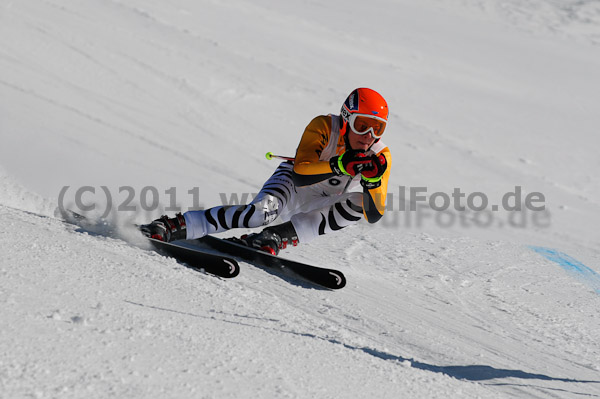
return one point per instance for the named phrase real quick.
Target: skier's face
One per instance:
(360, 142)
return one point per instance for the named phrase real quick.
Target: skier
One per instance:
(317, 193)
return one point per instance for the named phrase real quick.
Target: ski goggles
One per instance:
(362, 124)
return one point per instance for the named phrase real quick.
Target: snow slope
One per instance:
(484, 96)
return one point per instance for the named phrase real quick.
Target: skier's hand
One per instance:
(376, 167)
(350, 163)
(372, 173)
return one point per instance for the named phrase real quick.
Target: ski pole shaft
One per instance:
(270, 155)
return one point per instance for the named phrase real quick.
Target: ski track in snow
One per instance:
(484, 95)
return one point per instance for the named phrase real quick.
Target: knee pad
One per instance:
(268, 207)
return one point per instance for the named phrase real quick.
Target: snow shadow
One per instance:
(475, 373)
(470, 372)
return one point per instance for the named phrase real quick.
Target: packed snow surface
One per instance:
(142, 107)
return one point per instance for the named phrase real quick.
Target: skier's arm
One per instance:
(374, 199)
(308, 168)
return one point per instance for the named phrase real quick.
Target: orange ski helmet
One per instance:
(364, 102)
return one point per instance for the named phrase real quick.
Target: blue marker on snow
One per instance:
(574, 267)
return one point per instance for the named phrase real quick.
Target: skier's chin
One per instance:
(362, 146)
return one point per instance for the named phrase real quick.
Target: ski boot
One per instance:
(271, 239)
(165, 229)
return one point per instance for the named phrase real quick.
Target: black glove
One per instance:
(350, 163)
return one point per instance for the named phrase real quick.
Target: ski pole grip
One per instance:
(269, 155)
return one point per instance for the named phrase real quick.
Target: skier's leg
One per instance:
(336, 212)
(264, 208)
(345, 212)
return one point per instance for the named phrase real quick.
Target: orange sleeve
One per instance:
(374, 199)
(313, 142)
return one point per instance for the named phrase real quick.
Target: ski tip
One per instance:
(234, 268)
(339, 280)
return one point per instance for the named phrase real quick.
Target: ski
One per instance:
(214, 264)
(197, 259)
(329, 278)
(191, 253)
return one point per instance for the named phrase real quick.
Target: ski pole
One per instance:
(270, 155)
